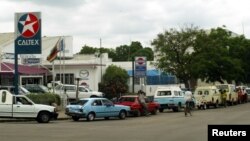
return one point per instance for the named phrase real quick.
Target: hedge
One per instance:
(47, 98)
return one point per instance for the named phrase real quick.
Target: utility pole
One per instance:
(101, 57)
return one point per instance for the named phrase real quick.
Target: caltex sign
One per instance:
(28, 33)
(140, 66)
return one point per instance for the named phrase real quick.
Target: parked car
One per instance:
(248, 94)
(70, 91)
(20, 106)
(207, 96)
(36, 88)
(91, 108)
(170, 97)
(136, 109)
(11, 89)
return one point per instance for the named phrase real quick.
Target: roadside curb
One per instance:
(25, 120)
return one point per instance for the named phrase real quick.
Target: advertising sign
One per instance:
(28, 33)
(140, 66)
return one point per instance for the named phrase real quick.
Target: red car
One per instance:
(136, 108)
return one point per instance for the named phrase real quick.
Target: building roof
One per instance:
(22, 69)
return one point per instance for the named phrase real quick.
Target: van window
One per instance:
(177, 93)
(163, 93)
(199, 92)
(206, 92)
(4, 96)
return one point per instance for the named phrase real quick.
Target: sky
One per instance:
(111, 23)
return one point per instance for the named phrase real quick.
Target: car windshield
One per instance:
(58, 87)
(88, 89)
(222, 87)
(44, 88)
(23, 90)
(127, 99)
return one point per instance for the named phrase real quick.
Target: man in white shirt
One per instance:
(188, 99)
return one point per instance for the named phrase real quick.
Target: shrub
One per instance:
(46, 99)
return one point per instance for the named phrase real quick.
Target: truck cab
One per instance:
(20, 106)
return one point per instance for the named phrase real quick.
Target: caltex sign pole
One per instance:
(27, 37)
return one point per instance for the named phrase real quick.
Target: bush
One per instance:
(46, 99)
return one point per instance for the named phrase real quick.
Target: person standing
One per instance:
(188, 101)
(141, 96)
(224, 98)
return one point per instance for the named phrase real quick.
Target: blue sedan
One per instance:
(91, 108)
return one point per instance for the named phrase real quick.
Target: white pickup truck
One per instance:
(20, 106)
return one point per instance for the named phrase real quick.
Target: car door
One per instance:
(178, 98)
(23, 108)
(109, 108)
(98, 108)
(83, 93)
(70, 91)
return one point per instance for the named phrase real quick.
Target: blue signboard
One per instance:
(28, 33)
(140, 66)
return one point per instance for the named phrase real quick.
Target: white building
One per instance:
(88, 68)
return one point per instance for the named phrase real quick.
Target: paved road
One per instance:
(167, 126)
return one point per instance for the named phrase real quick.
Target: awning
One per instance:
(149, 72)
(22, 69)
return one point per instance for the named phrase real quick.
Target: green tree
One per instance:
(122, 53)
(128, 52)
(239, 49)
(213, 61)
(88, 50)
(114, 82)
(173, 51)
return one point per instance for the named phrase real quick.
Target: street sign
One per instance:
(140, 66)
(28, 33)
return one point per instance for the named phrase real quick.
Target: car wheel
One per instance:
(161, 110)
(137, 113)
(122, 114)
(90, 117)
(154, 112)
(43, 117)
(75, 118)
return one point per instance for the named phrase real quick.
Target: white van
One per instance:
(70, 91)
(232, 96)
(169, 97)
(207, 96)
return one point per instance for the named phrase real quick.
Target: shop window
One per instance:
(4, 94)
(67, 77)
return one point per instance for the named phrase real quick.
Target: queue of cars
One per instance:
(93, 104)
